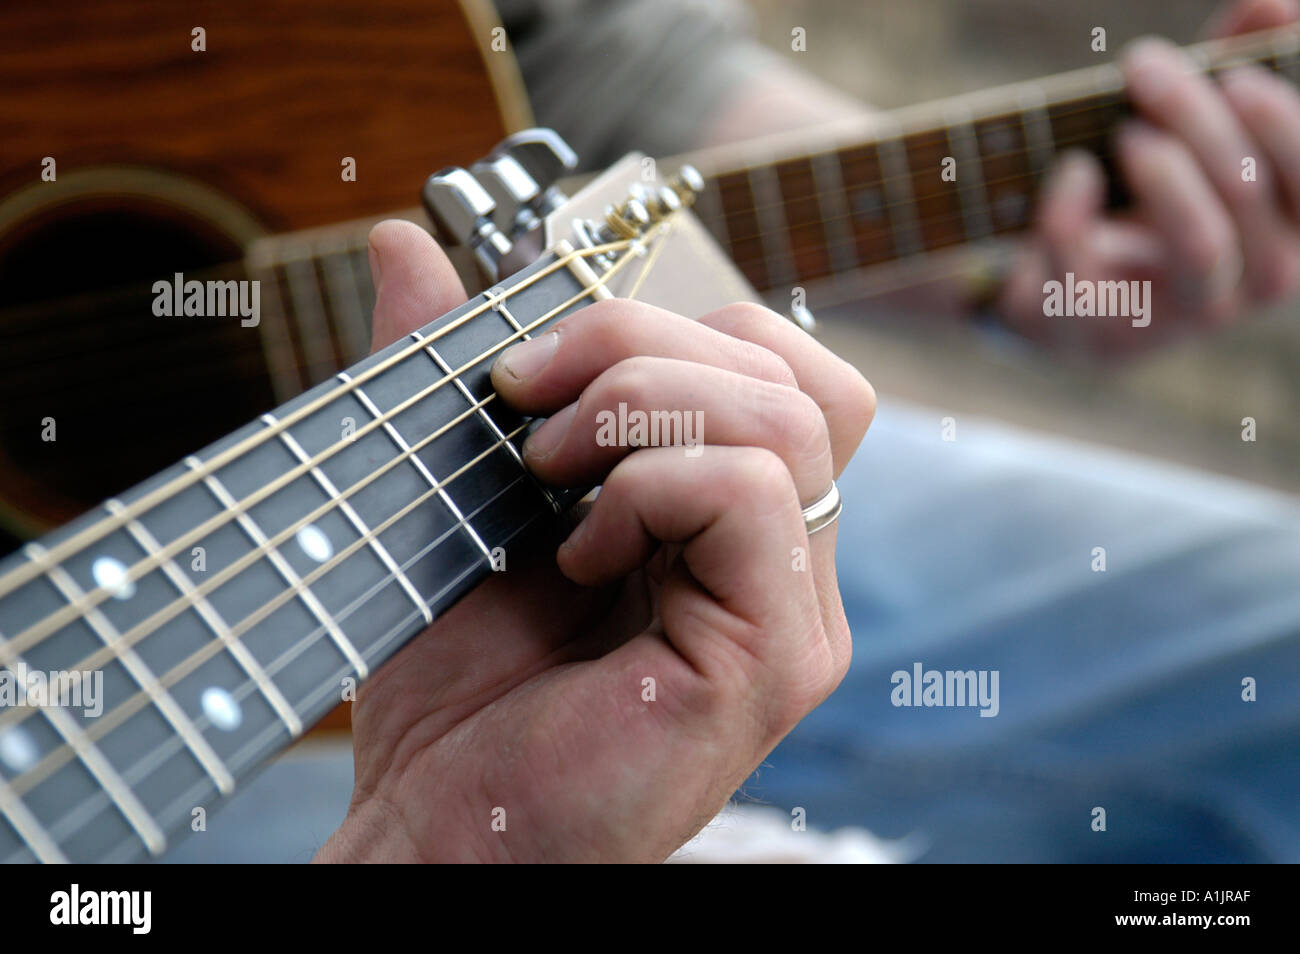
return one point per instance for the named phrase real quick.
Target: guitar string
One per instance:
(161, 616)
(62, 754)
(1256, 48)
(75, 609)
(266, 742)
(260, 432)
(28, 571)
(1087, 105)
(153, 622)
(525, 425)
(878, 183)
(101, 528)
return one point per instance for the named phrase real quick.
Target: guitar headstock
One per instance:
(507, 208)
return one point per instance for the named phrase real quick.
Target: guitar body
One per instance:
(127, 155)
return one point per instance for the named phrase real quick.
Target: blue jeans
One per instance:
(1119, 689)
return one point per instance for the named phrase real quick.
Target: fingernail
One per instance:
(525, 359)
(542, 442)
(1155, 65)
(576, 535)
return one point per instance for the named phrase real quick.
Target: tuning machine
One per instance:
(545, 158)
(461, 210)
(495, 208)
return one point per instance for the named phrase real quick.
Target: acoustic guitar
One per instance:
(229, 163)
(178, 635)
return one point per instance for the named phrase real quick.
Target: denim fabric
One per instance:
(1119, 689)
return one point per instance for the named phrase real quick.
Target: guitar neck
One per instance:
(927, 178)
(207, 617)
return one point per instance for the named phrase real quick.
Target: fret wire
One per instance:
(80, 540)
(995, 156)
(995, 102)
(480, 412)
(277, 342)
(1088, 105)
(143, 676)
(424, 473)
(67, 614)
(126, 709)
(353, 518)
(948, 217)
(114, 717)
(208, 613)
(1036, 126)
(770, 209)
(265, 547)
(830, 190)
(305, 296)
(254, 750)
(977, 221)
(708, 206)
(28, 827)
(908, 239)
(341, 279)
(81, 747)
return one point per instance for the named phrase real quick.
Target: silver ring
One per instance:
(822, 513)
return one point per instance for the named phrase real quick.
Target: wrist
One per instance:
(372, 833)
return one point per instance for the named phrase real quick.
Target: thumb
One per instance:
(414, 280)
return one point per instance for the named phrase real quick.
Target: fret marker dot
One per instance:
(221, 708)
(110, 574)
(314, 543)
(17, 750)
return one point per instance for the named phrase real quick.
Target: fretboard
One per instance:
(791, 216)
(861, 200)
(232, 600)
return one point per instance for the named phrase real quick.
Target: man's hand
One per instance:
(602, 702)
(1208, 240)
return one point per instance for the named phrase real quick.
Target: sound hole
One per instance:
(128, 392)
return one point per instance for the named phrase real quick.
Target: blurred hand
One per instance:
(529, 694)
(1209, 242)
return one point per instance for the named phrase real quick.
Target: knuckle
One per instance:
(761, 477)
(602, 324)
(798, 423)
(632, 380)
(746, 316)
(757, 361)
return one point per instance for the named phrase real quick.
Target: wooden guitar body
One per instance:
(143, 138)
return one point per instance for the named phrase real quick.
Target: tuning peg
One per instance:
(628, 220)
(545, 157)
(513, 190)
(687, 183)
(659, 202)
(461, 210)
